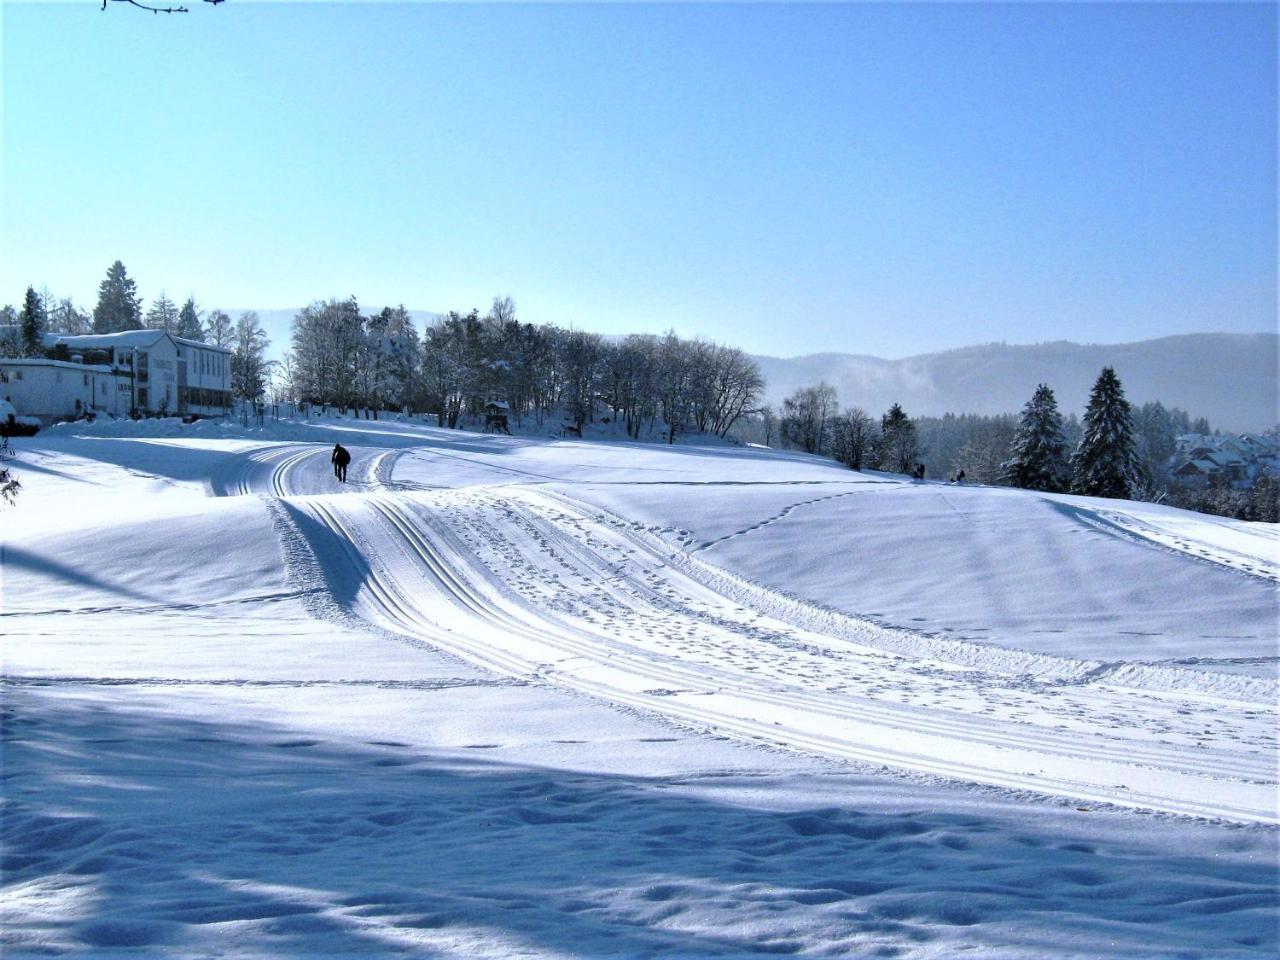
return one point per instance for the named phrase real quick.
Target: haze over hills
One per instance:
(1228, 377)
(1231, 378)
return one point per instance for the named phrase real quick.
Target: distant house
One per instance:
(1237, 460)
(167, 374)
(1197, 471)
(57, 389)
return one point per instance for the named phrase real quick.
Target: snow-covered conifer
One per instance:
(1105, 464)
(1038, 456)
(163, 314)
(898, 446)
(31, 324)
(189, 322)
(119, 307)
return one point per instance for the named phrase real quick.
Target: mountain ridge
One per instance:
(1228, 377)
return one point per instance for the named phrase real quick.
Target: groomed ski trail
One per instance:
(520, 583)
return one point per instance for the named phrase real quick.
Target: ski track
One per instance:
(537, 588)
(1132, 528)
(435, 683)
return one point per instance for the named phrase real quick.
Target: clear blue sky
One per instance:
(884, 179)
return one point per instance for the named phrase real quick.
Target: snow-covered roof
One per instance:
(1198, 466)
(6, 362)
(201, 344)
(1225, 458)
(126, 338)
(103, 341)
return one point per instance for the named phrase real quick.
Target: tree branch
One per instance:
(143, 6)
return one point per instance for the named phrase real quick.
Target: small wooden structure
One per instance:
(495, 417)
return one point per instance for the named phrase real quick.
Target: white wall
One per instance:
(49, 389)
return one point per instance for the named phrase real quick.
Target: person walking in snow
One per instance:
(341, 457)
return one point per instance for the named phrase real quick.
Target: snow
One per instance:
(506, 696)
(1071, 576)
(123, 338)
(57, 364)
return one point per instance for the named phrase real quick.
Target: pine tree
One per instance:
(163, 314)
(898, 445)
(1105, 463)
(31, 324)
(119, 307)
(189, 326)
(1038, 456)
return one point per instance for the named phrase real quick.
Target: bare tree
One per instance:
(806, 417)
(853, 438)
(219, 330)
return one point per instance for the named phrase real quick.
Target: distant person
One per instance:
(960, 477)
(341, 457)
(919, 471)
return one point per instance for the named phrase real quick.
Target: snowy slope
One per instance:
(477, 702)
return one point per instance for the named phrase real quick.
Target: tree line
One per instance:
(342, 357)
(650, 385)
(1115, 451)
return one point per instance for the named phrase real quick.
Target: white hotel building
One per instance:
(143, 371)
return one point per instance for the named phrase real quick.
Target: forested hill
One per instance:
(1229, 378)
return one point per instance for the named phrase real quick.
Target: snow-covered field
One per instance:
(511, 696)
